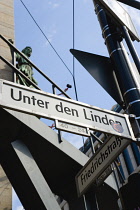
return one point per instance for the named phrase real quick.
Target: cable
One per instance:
(73, 55)
(73, 74)
(74, 60)
(46, 37)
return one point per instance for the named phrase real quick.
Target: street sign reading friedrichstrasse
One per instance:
(46, 105)
(106, 154)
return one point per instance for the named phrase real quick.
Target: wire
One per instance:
(73, 55)
(72, 74)
(74, 82)
(46, 37)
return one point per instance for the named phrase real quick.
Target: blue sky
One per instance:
(55, 19)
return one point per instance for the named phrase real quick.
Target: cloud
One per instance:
(53, 4)
(51, 34)
(86, 1)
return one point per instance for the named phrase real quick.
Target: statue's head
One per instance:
(27, 51)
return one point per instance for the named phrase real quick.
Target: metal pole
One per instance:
(129, 86)
(13, 59)
(54, 89)
(92, 145)
(119, 173)
(131, 48)
(132, 95)
(115, 177)
(85, 202)
(59, 132)
(99, 140)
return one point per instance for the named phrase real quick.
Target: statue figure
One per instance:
(25, 67)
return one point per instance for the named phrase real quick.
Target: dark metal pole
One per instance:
(59, 132)
(129, 86)
(131, 48)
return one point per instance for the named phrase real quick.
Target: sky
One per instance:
(55, 18)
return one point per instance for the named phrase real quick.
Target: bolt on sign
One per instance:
(28, 100)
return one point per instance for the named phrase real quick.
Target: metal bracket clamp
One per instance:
(135, 125)
(132, 102)
(131, 89)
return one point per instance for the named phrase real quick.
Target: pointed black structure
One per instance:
(101, 69)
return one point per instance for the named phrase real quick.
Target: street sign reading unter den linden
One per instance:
(98, 163)
(46, 105)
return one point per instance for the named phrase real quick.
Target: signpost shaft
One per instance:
(131, 48)
(127, 80)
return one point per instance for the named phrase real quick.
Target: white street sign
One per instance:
(106, 154)
(79, 130)
(46, 105)
(121, 15)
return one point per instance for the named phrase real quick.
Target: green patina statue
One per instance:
(25, 67)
